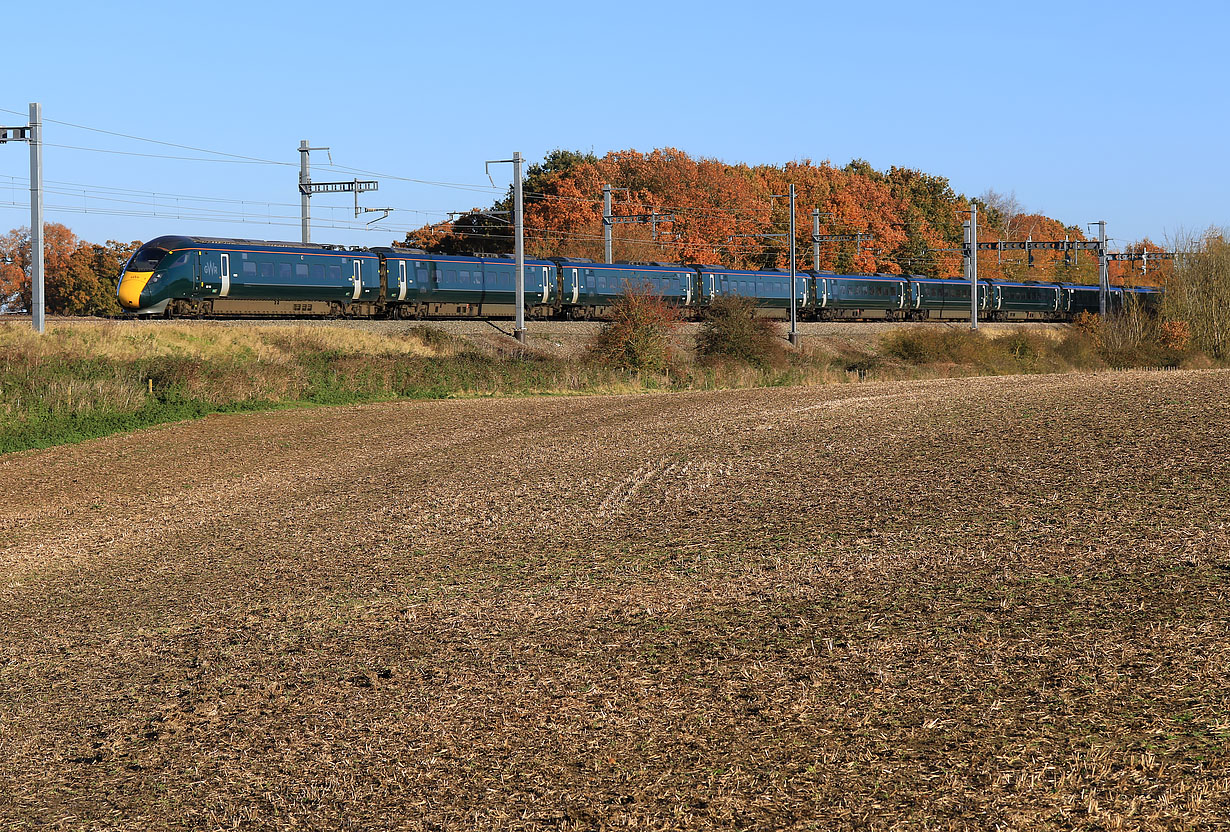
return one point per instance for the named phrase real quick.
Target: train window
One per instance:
(284, 272)
(265, 269)
(249, 268)
(318, 273)
(335, 273)
(450, 276)
(465, 277)
(301, 271)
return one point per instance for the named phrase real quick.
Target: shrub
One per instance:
(1089, 324)
(1175, 335)
(730, 329)
(937, 346)
(638, 335)
(1080, 350)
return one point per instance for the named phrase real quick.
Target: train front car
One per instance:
(155, 274)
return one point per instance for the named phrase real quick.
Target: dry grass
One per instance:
(126, 341)
(849, 607)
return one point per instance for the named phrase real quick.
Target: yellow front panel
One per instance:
(131, 285)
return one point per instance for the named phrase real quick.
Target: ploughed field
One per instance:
(978, 603)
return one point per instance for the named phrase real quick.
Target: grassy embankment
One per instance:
(83, 380)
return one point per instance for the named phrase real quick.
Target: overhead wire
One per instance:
(158, 198)
(236, 158)
(231, 157)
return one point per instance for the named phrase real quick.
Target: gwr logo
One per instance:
(211, 269)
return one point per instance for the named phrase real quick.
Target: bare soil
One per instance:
(979, 603)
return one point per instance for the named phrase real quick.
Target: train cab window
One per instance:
(147, 258)
(182, 260)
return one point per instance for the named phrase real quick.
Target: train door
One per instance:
(225, 271)
(357, 279)
(572, 285)
(401, 279)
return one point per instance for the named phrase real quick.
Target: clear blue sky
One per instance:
(1097, 110)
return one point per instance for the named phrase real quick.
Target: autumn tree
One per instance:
(79, 278)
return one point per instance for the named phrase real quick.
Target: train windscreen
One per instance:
(146, 258)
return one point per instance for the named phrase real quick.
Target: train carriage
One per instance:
(588, 288)
(422, 285)
(1076, 298)
(877, 297)
(1012, 301)
(770, 289)
(932, 298)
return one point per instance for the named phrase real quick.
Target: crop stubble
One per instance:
(846, 607)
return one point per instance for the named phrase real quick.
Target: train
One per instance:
(181, 276)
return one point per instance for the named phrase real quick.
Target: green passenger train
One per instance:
(179, 276)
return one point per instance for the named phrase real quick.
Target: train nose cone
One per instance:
(131, 285)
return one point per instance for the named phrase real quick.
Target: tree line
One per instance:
(726, 214)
